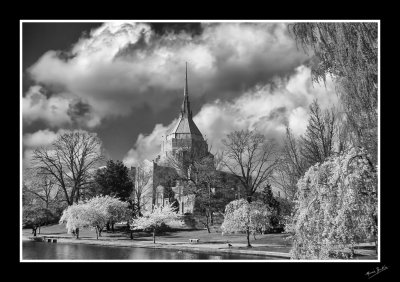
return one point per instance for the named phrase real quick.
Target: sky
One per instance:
(124, 81)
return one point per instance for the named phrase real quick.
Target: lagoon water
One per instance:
(61, 251)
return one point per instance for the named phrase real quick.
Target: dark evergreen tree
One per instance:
(267, 197)
(113, 180)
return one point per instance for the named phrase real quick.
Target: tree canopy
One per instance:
(94, 213)
(113, 180)
(318, 141)
(242, 216)
(348, 52)
(336, 206)
(35, 216)
(70, 160)
(155, 219)
(251, 158)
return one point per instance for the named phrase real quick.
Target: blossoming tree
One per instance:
(336, 206)
(73, 216)
(242, 216)
(153, 220)
(114, 209)
(94, 214)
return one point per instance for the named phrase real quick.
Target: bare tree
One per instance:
(199, 177)
(42, 186)
(251, 158)
(291, 166)
(325, 135)
(190, 167)
(70, 160)
(142, 187)
(318, 140)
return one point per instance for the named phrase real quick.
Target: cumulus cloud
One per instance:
(31, 141)
(264, 108)
(122, 65)
(56, 110)
(37, 106)
(39, 138)
(147, 147)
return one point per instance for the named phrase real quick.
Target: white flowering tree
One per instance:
(74, 219)
(94, 214)
(153, 220)
(95, 217)
(114, 209)
(336, 206)
(242, 216)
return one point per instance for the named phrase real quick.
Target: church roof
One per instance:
(185, 124)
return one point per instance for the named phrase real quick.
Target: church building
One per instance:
(182, 143)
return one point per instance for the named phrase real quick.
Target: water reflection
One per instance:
(41, 250)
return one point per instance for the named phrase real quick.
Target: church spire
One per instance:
(186, 104)
(186, 84)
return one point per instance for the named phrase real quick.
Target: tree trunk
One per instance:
(154, 236)
(212, 218)
(112, 227)
(131, 235)
(352, 251)
(97, 232)
(208, 222)
(248, 237)
(39, 229)
(100, 230)
(77, 194)
(77, 233)
(376, 234)
(108, 226)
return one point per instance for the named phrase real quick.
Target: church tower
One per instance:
(184, 139)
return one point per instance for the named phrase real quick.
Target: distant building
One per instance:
(183, 142)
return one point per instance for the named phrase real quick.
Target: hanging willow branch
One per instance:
(347, 52)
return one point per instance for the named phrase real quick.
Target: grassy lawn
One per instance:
(266, 242)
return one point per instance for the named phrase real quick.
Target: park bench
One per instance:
(49, 239)
(194, 240)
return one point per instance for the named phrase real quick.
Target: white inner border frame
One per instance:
(198, 21)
